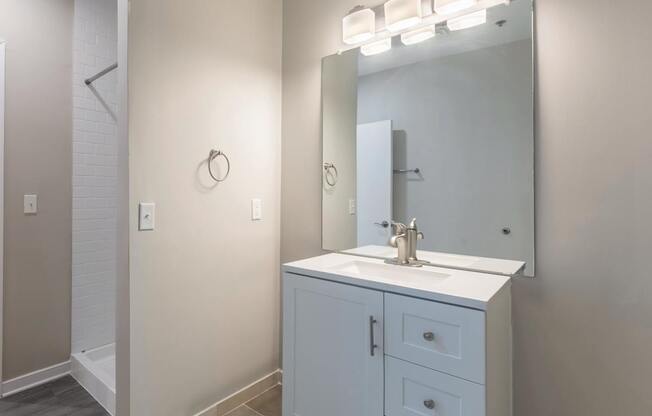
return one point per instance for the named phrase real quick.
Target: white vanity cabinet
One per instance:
(357, 345)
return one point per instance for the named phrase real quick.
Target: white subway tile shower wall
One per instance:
(94, 176)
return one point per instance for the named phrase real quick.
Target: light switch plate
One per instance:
(146, 216)
(351, 206)
(256, 210)
(30, 204)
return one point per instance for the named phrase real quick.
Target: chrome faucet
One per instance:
(405, 239)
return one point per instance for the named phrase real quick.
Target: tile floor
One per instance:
(62, 397)
(267, 404)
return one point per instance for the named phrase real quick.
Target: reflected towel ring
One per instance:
(211, 157)
(331, 179)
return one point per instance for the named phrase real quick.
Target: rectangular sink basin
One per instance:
(369, 270)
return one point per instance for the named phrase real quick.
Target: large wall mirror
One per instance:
(441, 131)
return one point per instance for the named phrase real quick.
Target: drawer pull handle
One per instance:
(430, 404)
(429, 336)
(372, 340)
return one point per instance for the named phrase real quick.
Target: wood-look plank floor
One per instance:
(267, 404)
(62, 397)
(65, 397)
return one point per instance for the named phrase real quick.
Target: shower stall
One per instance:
(95, 170)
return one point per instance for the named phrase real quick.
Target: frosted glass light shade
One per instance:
(444, 7)
(375, 48)
(418, 35)
(402, 14)
(359, 26)
(467, 21)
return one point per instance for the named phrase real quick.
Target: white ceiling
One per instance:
(518, 27)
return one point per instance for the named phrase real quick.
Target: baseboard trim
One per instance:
(35, 378)
(242, 396)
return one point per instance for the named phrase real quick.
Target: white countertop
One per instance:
(458, 287)
(471, 263)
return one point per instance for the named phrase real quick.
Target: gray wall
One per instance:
(38, 145)
(205, 284)
(466, 121)
(582, 327)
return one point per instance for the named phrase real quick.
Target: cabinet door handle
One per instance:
(429, 404)
(372, 341)
(429, 336)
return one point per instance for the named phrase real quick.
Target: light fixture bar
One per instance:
(435, 19)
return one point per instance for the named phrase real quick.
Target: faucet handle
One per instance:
(399, 228)
(413, 227)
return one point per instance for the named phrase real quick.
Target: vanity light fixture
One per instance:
(468, 20)
(402, 14)
(418, 35)
(358, 26)
(377, 47)
(446, 7)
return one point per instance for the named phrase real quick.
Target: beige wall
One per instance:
(205, 285)
(582, 329)
(38, 137)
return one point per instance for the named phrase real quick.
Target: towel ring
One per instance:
(331, 179)
(214, 154)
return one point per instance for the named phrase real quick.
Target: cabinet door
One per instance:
(332, 349)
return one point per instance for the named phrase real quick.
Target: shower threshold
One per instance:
(95, 371)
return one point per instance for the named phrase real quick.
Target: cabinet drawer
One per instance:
(411, 390)
(445, 338)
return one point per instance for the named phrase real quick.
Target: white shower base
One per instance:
(95, 371)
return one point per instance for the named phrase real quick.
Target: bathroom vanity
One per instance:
(438, 128)
(365, 338)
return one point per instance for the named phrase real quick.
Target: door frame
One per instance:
(123, 285)
(2, 194)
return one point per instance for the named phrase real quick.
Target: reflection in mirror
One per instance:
(441, 131)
